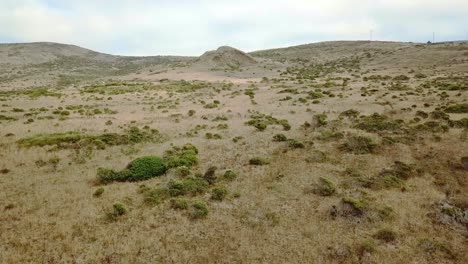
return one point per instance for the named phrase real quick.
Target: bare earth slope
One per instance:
(334, 152)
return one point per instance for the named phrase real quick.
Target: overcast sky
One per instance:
(183, 27)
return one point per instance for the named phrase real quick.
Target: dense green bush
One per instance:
(138, 170)
(145, 168)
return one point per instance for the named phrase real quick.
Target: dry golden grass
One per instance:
(271, 214)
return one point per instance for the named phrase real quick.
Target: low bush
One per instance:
(376, 123)
(359, 145)
(138, 170)
(259, 161)
(325, 187)
(179, 204)
(218, 193)
(229, 175)
(458, 108)
(189, 186)
(98, 192)
(293, 143)
(279, 138)
(181, 156)
(198, 210)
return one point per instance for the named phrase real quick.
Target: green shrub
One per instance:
(229, 175)
(179, 204)
(218, 193)
(367, 247)
(98, 192)
(73, 139)
(181, 156)
(376, 123)
(357, 205)
(279, 138)
(7, 118)
(439, 115)
(138, 170)
(199, 210)
(330, 135)
(293, 143)
(458, 108)
(145, 168)
(191, 112)
(183, 171)
(325, 187)
(285, 124)
(189, 186)
(420, 75)
(259, 161)
(261, 126)
(321, 120)
(118, 210)
(154, 196)
(358, 145)
(401, 78)
(350, 114)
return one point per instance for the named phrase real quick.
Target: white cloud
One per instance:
(143, 27)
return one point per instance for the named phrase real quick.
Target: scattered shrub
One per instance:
(189, 186)
(376, 123)
(118, 210)
(218, 193)
(321, 120)
(199, 209)
(98, 192)
(458, 108)
(229, 175)
(259, 161)
(366, 247)
(279, 138)
(179, 204)
(181, 156)
(325, 187)
(358, 206)
(293, 143)
(350, 114)
(359, 145)
(154, 196)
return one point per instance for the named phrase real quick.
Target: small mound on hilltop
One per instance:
(225, 57)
